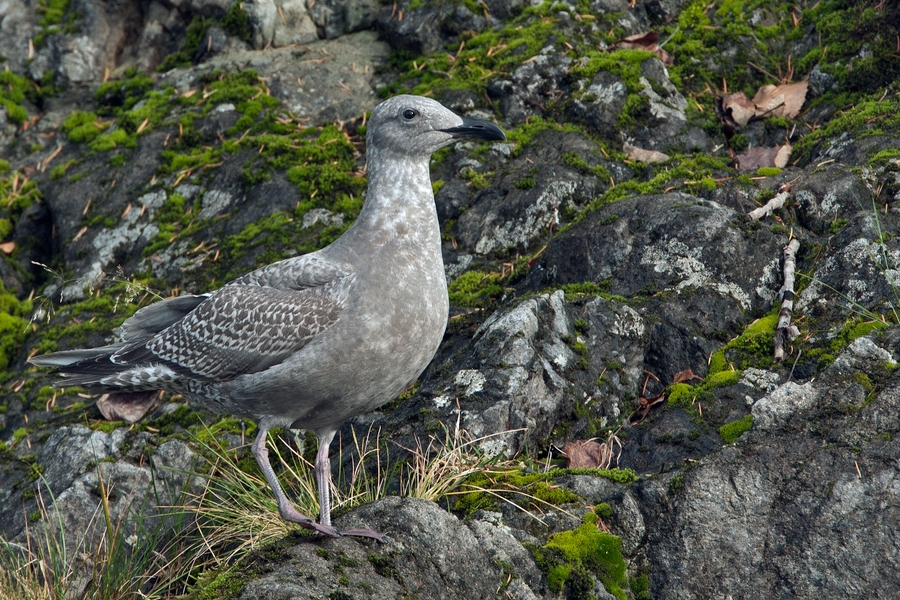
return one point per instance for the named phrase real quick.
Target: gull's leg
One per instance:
(323, 482)
(285, 508)
(323, 477)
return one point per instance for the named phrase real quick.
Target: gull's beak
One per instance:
(473, 128)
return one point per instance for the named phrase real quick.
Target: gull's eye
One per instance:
(410, 114)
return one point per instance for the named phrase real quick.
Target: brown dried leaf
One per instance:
(646, 404)
(737, 110)
(784, 154)
(781, 101)
(586, 454)
(786, 100)
(126, 407)
(756, 158)
(685, 375)
(8, 247)
(644, 156)
(644, 41)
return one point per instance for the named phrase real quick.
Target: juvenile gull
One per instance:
(310, 341)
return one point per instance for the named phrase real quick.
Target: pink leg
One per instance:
(323, 482)
(285, 508)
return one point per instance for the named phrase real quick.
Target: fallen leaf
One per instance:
(587, 454)
(781, 101)
(644, 41)
(646, 404)
(126, 407)
(685, 375)
(736, 109)
(786, 100)
(756, 158)
(8, 247)
(644, 156)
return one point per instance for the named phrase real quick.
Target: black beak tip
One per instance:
(472, 128)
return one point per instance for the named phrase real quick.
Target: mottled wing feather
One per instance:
(301, 272)
(245, 329)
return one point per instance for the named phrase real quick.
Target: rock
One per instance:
(737, 516)
(525, 207)
(431, 555)
(334, 19)
(606, 278)
(519, 377)
(307, 80)
(82, 465)
(280, 24)
(105, 39)
(427, 28)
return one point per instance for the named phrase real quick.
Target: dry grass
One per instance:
(233, 513)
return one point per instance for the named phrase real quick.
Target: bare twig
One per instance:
(785, 332)
(771, 206)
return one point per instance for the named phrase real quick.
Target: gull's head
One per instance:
(417, 126)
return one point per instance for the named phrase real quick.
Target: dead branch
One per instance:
(785, 332)
(771, 206)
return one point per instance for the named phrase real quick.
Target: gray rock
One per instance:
(431, 555)
(778, 407)
(334, 19)
(278, 24)
(520, 212)
(81, 465)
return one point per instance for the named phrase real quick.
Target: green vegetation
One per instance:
(753, 348)
(194, 35)
(730, 432)
(475, 288)
(13, 325)
(528, 490)
(237, 23)
(12, 96)
(56, 17)
(573, 560)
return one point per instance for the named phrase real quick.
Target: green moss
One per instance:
(237, 23)
(475, 288)
(640, 587)
(870, 116)
(572, 560)
(863, 380)
(113, 139)
(717, 362)
(4, 167)
(722, 378)
(120, 95)
(194, 35)
(884, 157)
(6, 228)
(12, 96)
(13, 325)
(860, 329)
(730, 432)
(227, 582)
(624, 476)
(754, 347)
(56, 17)
(681, 395)
(768, 171)
(83, 126)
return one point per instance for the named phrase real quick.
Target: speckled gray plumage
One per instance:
(312, 340)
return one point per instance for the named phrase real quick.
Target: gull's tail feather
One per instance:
(74, 357)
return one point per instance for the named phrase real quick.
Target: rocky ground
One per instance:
(606, 284)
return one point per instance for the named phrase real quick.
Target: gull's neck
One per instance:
(399, 202)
